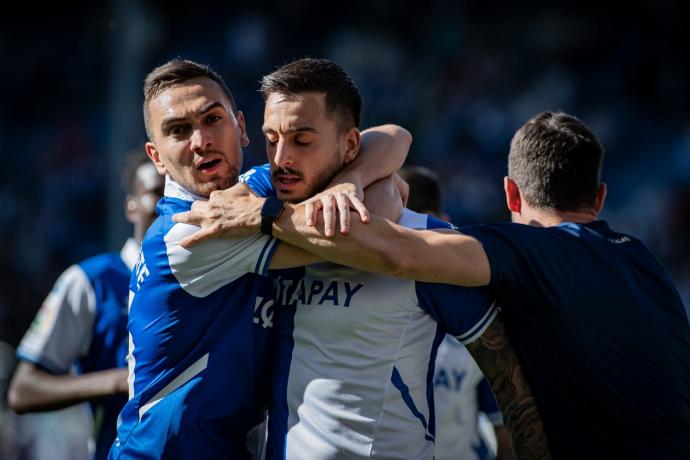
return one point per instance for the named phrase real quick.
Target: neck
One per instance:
(553, 217)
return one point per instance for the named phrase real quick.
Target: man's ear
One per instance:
(155, 157)
(513, 199)
(352, 141)
(601, 197)
(244, 139)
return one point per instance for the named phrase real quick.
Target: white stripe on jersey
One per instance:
(196, 367)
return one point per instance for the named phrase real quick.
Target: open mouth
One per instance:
(208, 165)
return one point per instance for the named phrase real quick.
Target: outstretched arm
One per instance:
(381, 247)
(496, 357)
(34, 390)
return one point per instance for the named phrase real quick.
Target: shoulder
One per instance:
(258, 178)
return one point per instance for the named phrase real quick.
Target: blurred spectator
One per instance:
(83, 324)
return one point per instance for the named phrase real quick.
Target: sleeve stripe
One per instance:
(265, 257)
(481, 325)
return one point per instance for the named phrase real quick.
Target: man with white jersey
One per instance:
(83, 324)
(354, 361)
(469, 424)
(601, 330)
(200, 319)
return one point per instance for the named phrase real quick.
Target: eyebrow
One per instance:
(298, 129)
(167, 122)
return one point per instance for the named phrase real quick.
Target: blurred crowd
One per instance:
(461, 76)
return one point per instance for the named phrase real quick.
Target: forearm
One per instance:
(34, 390)
(496, 357)
(383, 150)
(386, 248)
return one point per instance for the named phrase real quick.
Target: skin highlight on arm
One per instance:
(35, 390)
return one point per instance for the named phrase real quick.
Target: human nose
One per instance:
(283, 155)
(200, 140)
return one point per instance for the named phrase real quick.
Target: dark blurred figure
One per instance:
(463, 399)
(75, 349)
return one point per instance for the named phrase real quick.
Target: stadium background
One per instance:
(462, 76)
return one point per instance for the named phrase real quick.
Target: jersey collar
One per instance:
(175, 190)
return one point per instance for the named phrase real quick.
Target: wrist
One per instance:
(271, 209)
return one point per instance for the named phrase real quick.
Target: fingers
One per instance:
(311, 211)
(329, 214)
(196, 238)
(361, 209)
(343, 212)
(189, 217)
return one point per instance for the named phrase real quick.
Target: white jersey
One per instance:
(460, 393)
(352, 374)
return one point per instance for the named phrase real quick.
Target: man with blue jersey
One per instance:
(597, 322)
(83, 323)
(200, 320)
(354, 361)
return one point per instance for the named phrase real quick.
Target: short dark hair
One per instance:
(556, 160)
(425, 189)
(173, 73)
(322, 76)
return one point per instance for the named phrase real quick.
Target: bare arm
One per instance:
(383, 150)
(34, 390)
(496, 357)
(379, 247)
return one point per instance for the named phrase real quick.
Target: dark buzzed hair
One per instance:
(173, 73)
(321, 76)
(425, 190)
(556, 160)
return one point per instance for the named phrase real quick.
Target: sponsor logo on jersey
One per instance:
(316, 292)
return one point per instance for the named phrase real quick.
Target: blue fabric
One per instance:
(109, 278)
(209, 415)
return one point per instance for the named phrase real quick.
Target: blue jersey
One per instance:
(355, 353)
(83, 322)
(602, 336)
(199, 326)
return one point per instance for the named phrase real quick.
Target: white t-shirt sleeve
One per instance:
(61, 331)
(206, 267)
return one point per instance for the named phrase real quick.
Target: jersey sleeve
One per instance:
(203, 268)
(62, 329)
(258, 179)
(514, 253)
(465, 313)
(487, 402)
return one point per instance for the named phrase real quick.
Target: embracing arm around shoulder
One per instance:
(496, 357)
(389, 249)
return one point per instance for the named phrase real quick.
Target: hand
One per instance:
(341, 197)
(227, 214)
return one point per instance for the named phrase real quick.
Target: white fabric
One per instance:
(455, 397)
(61, 331)
(208, 266)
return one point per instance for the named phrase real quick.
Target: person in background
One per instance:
(75, 349)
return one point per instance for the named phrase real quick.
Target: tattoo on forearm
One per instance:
(496, 357)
